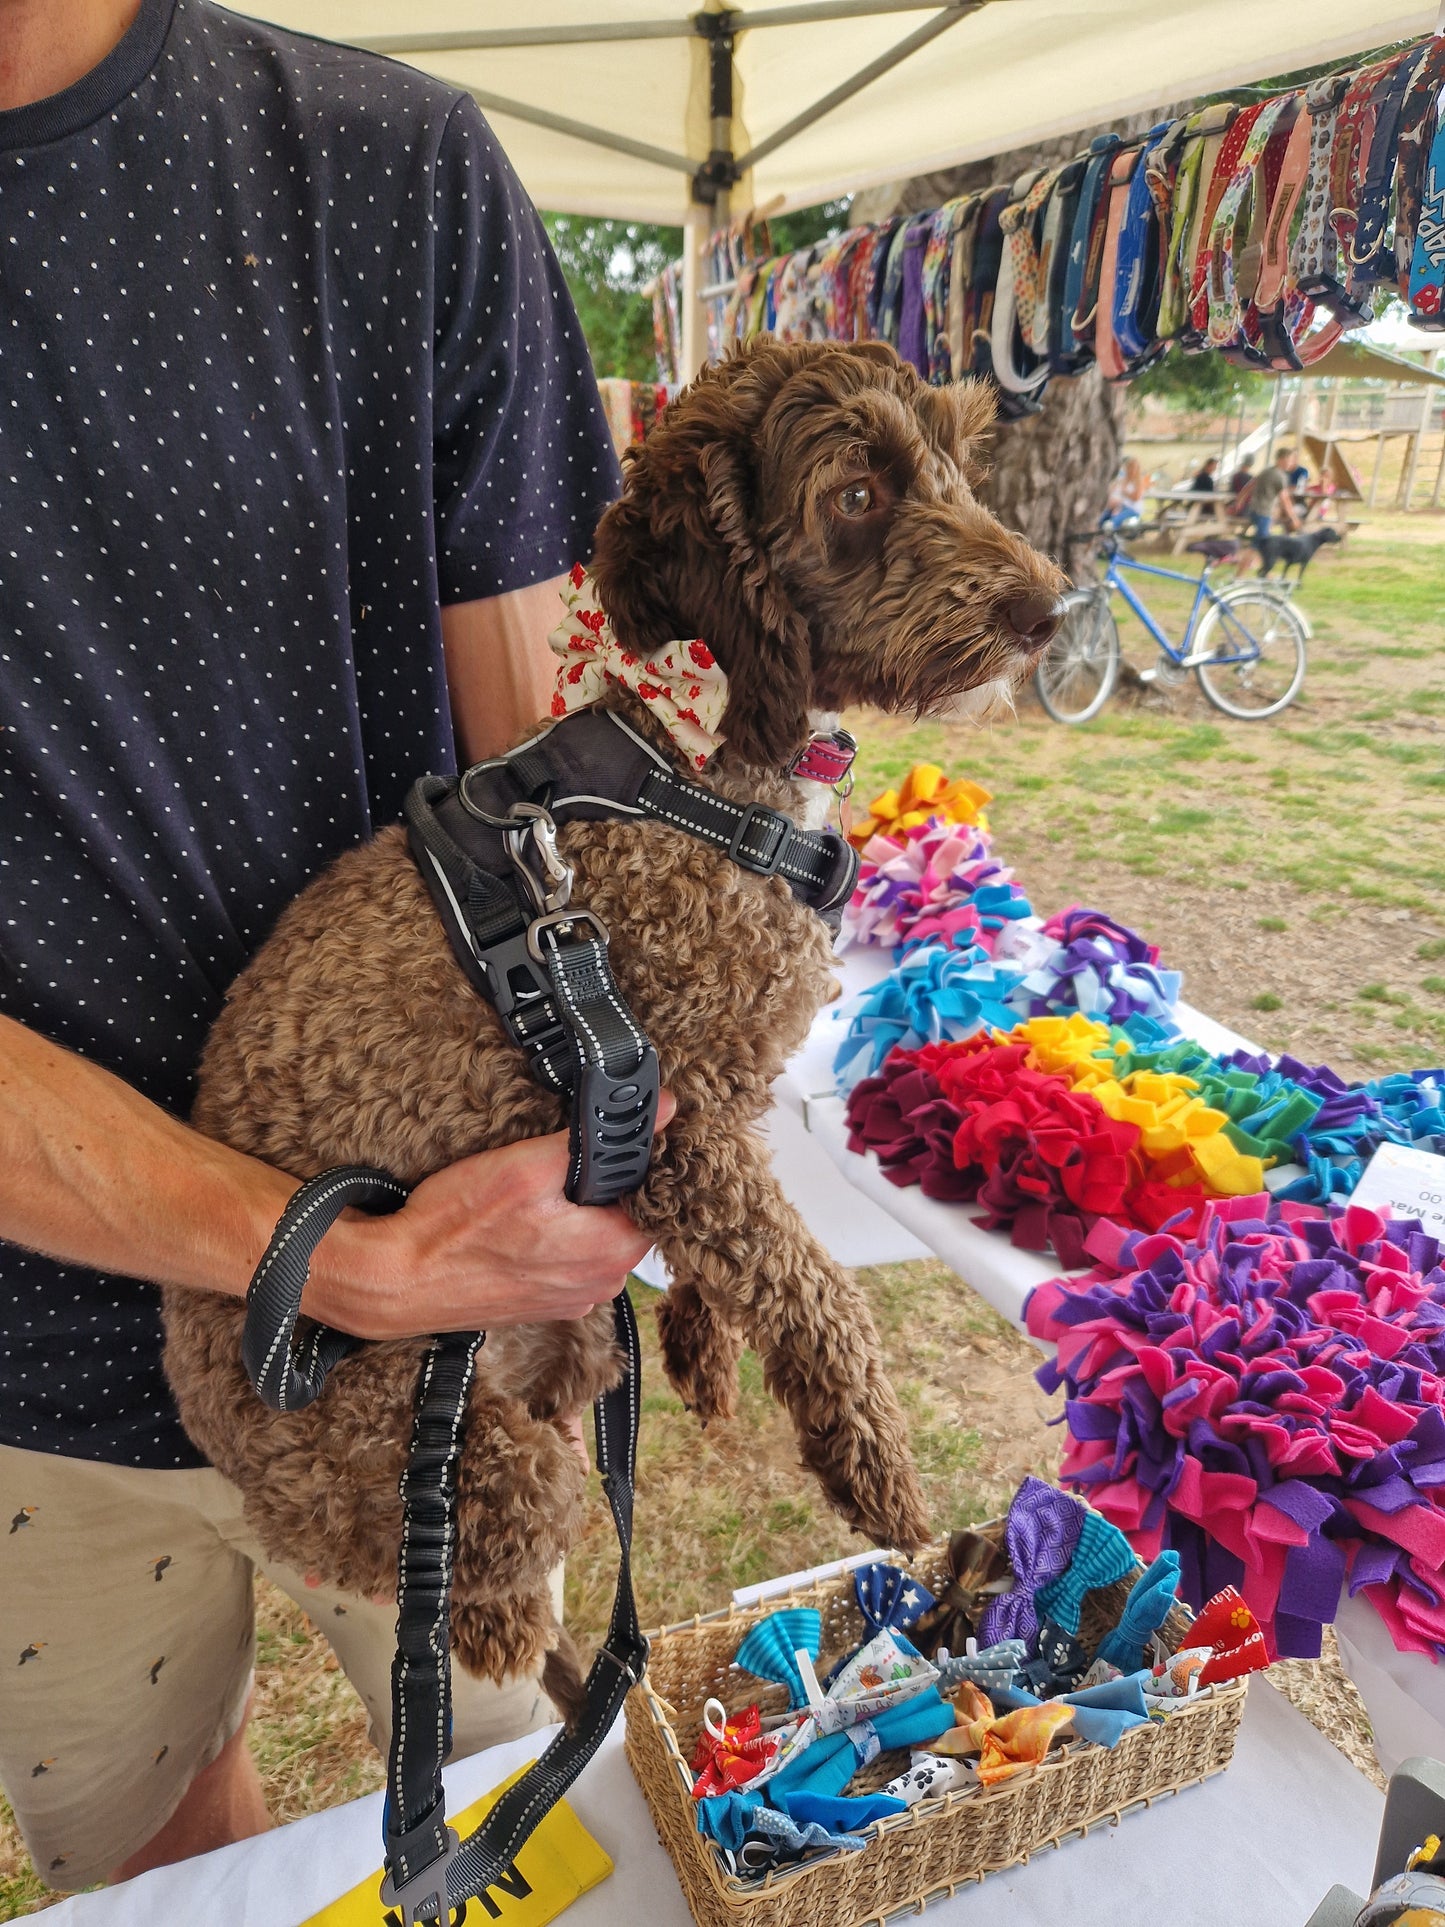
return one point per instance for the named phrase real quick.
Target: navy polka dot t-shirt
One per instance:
(285, 361)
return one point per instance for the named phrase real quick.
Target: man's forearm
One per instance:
(500, 670)
(93, 1173)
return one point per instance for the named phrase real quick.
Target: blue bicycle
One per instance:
(1245, 644)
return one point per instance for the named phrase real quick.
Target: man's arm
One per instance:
(93, 1173)
(500, 671)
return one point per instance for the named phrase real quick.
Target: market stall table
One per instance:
(1403, 1692)
(1289, 1818)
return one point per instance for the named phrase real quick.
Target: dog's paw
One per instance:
(504, 1638)
(564, 1682)
(896, 1517)
(867, 1470)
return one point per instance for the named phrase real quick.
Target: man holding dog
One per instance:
(299, 428)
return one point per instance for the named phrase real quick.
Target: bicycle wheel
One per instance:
(1252, 645)
(1076, 676)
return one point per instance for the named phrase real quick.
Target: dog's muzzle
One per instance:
(1034, 619)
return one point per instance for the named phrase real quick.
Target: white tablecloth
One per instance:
(1258, 1846)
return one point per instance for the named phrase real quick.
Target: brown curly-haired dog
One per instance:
(807, 510)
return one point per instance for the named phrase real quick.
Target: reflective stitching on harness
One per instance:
(279, 1245)
(401, 1579)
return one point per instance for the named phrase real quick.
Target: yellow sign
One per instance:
(559, 1862)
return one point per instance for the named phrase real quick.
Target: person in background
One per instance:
(1126, 493)
(1239, 486)
(1203, 484)
(1271, 495)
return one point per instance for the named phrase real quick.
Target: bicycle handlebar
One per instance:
(1127, 532)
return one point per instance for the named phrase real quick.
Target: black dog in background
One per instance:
(1292, 551)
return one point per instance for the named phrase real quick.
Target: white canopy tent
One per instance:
(638, 110)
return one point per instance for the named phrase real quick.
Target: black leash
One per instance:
(428, 1870)
(486, 847)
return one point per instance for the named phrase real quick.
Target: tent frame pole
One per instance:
(714, 178)
(580, 130)
(686, 27)
(865, 76)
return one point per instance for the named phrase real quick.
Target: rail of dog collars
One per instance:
(1253, 1368)
(1263, 230)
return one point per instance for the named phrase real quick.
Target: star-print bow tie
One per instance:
(888, 1599)
(679, 681)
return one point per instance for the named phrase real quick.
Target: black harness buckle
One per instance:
(560, 920)
(757, 842)
(613, 1119)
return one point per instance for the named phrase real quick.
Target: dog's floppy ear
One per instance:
(681, 555)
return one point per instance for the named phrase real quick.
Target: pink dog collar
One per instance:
(825, 758)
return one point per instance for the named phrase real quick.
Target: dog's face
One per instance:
(809, 511)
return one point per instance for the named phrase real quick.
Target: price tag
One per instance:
(1407, 1183)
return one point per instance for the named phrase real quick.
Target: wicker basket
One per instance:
(937, 1846)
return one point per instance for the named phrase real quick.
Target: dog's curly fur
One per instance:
(353, 1036)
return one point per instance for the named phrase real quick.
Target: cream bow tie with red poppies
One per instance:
(680, 682)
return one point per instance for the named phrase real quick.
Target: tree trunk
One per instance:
(1051, 471)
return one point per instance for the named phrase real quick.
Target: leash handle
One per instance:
(426, 1865)
(484, 1858)
(287, 1377)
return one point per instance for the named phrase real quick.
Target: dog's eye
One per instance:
(856, 499)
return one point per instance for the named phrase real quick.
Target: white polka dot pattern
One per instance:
(285, 360)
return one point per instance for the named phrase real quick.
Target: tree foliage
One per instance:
(607, 265)
(1203, 384)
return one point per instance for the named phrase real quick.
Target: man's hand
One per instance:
(487, 1241)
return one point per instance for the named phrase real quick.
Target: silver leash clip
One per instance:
(423, 1901)
(534, 839)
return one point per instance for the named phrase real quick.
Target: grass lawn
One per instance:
(1294, 869)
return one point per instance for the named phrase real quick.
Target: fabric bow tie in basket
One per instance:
(871, 1740)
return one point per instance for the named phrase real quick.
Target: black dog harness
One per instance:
(486, 846)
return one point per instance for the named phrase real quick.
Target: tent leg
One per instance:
(1412, 462)
(695, 231)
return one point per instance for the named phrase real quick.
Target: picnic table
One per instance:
(1183, 512)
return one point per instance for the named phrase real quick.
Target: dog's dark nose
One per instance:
(1034, 618)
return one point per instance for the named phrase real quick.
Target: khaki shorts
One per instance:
(127, 1634)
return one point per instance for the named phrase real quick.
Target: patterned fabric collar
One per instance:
(680, 682)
